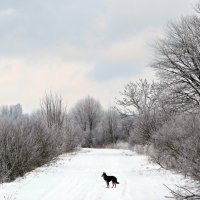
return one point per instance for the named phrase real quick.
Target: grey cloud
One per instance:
(49, 25)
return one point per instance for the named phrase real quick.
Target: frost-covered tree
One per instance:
(87, 114)
(53, 110)
(141, 100)
(177, 62)
(112, 126)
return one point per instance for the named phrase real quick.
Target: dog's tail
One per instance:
(117, 182)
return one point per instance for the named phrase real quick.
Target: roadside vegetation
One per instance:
(166, 112)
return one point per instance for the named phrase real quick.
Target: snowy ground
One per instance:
(78, 177)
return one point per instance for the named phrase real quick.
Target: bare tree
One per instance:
(59, 124)
(177, 62)
(141, 100)
(140, 97)
(112, 125)
(53, 110)
(127, 125)
(87, 114)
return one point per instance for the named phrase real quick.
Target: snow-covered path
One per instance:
(78, 177)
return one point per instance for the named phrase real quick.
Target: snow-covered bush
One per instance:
(29, 141)
(177, 144)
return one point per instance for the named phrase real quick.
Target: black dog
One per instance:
(110, 178)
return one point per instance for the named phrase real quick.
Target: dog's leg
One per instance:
(107, 184)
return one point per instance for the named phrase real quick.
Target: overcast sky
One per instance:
(78, 47)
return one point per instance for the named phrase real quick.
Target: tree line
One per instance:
(166, 112)
(31, 140)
